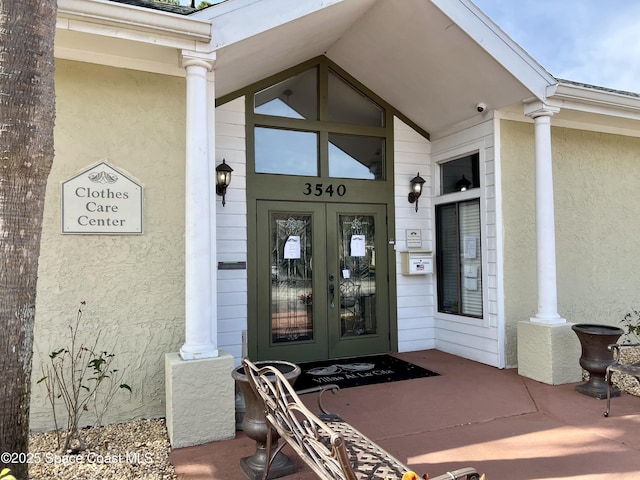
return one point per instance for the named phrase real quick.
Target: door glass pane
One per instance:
(357, 292)
(286, 151)
(295, 97)
(291, 292)
(354, 156)
(348, 105)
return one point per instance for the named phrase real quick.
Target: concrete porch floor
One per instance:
(505, 425)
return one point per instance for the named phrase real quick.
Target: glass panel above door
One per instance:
(291, 282)
(295, 97)
(286, 152)
(354, 156)
(348, 105)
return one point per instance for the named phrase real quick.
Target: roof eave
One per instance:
(135, 23)
(499, 45)
(592, 99)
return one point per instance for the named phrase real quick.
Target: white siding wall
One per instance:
(419, 325)
(232, 228)
(477, 339)
(416, 300)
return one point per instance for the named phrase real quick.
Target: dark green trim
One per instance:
(291, 188)
(324, 62)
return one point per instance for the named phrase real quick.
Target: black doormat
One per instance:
(357, 371)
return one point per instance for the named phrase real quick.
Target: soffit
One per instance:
(406, 51)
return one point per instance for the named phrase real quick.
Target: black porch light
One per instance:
(416, 189)
(223, 179)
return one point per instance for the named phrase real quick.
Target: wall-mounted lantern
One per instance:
(463, 184)
(416, 189)
(223, 179)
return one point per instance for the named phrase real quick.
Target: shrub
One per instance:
(81, 377)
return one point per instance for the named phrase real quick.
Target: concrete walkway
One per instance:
(505, 425)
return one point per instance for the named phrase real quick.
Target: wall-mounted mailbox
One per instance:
(417, 262)
(232, 265)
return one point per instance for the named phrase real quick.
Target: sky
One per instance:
(590, 41)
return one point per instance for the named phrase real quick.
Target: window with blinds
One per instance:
(459, 258)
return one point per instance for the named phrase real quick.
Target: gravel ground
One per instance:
(140, 450)
(137, 450)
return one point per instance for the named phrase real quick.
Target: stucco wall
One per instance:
(133, 284)
(518, 207)
(596, 178)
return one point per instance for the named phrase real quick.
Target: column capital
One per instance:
(540, 109)
(206, 60)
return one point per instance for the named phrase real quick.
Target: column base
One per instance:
(198, 353)
(200, 396)
(548, 353)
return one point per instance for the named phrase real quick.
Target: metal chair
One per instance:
(618, 366)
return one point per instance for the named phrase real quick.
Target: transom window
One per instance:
(315, 123)
(461, 174)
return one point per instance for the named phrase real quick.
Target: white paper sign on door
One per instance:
(469, 247)
(358, 246)
(292, 247)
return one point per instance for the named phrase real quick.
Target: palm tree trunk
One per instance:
(27, 113)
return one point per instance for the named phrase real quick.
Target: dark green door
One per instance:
(322, 280)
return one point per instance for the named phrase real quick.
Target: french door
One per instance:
(322, 280)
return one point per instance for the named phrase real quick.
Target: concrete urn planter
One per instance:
(595, 358)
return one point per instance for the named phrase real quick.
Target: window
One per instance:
(458, 237)
(353, 156)
(461, 174)
(286, 152)
(459, 259)
(348, 105)
(296, 97)
(316, 123)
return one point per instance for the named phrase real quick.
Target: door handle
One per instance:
(332, 290)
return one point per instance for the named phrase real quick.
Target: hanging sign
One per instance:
(101, 200)
(358, 248)
(292, 247)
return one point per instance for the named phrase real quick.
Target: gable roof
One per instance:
(165, 7)
(434, 60)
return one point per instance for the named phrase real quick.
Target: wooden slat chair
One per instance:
(330, 446)
(618, 366)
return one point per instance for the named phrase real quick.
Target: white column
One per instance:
(200, 316)
(545, 216)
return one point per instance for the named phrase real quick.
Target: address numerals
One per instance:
(320, 189)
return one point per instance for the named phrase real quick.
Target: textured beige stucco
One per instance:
(597, 207)
(133, 284)
(548, 353)
(200, 399)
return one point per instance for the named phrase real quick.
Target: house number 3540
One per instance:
(319, 189)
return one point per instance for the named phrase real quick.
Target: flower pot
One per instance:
(255, 425)
(595, 358)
